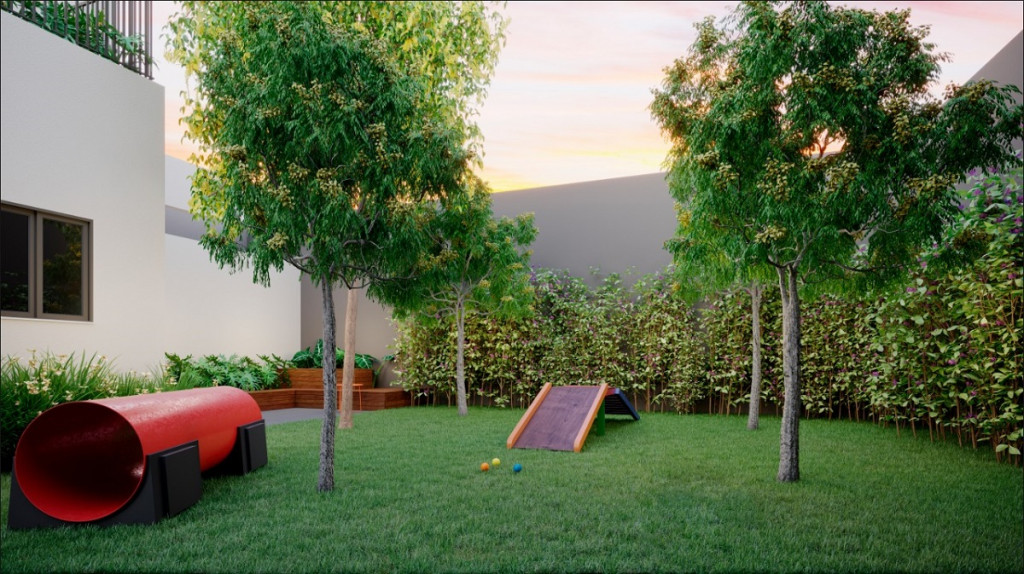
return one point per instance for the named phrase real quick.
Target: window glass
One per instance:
(45, 263)
(62, 267)
(14, 261)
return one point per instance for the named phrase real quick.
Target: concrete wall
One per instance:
(1007, 66)
(84, 137)
(614, 225)
(209, 310)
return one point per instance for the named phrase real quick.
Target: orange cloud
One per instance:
(568, 100)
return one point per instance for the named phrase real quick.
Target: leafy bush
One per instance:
(313, 358)
(233, 371)
(29, 387)
(942, 352)
(951, 340)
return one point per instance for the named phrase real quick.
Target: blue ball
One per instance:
(517, 467)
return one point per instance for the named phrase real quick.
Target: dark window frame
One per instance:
(36, 217)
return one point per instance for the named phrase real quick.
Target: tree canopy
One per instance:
(328, 131)
(804, 137)
(477, 265)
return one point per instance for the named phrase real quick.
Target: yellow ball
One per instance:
(495, 463)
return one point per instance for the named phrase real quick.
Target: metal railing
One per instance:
(121, 32)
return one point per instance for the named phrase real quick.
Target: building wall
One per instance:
(210, 310)
(614, 225)
(84, 137)
(1007, 66)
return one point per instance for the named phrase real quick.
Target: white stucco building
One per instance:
(83, 146)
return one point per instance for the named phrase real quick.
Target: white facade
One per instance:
(211, 311)
(84, 137)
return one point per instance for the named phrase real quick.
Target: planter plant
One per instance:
(307, 366)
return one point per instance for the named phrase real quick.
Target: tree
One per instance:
(807, 133)
(452, 47)
(479, 265)
(315, 152)
(704, 266)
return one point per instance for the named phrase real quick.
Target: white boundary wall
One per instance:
(211, 311)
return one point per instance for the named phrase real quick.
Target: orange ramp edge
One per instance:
(591, 415)
(523, 422)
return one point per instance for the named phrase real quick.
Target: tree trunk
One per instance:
(460, 361)
(754, 418)
(325, 481)
(789, 445)
(349, 366)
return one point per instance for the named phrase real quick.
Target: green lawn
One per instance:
(669, 493)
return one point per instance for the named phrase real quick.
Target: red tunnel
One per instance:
(84, 461)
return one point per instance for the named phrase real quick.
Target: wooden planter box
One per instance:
(314, 378)
(380, 399)
(307, 392)
(274, 399)
(308, 385)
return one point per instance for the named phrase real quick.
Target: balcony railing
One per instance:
(121, 32)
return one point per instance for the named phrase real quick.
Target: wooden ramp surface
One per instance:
(562, 416)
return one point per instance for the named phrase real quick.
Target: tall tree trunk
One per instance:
(349, 364)
(325, 481)
(789, 445)
(754, 418)
(460, 359)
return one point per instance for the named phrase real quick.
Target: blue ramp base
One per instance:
(616, 403)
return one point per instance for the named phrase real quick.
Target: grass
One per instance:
(669, 493)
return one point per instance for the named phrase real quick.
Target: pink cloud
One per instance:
(568, 100)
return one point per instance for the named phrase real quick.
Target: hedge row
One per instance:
(941, 353)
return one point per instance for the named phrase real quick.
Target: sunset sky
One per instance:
(568, 100)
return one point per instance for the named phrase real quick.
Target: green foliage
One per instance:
(452, 46)
(325, 127)
(807, 129)
(942, 354)
(953, 337)
(575, 336)
(29, 387)
(313, 144)
(476, 266)
(669, 350)
(475, 263)
(233, 371)
(329, 133)
(804, 138)
(313, 357)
